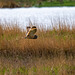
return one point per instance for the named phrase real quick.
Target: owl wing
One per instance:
(28, 28)
(31, 32)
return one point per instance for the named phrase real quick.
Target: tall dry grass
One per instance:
(9, 4)
(53, 53)
(52, 42)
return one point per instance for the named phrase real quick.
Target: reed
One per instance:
(62, 39)
(53, 53)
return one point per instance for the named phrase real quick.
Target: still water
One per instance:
(45, 16)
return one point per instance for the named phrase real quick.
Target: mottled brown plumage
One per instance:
(31, 32)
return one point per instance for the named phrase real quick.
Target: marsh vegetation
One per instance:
(53, 53)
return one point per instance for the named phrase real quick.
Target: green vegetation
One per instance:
(52, 4)
(36, 3)
(37, 66)
(46, 70)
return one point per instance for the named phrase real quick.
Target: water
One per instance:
(45, 16)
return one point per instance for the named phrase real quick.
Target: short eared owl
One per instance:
(30, 32)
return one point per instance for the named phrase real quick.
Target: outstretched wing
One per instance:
(28, 28)
(31, 32)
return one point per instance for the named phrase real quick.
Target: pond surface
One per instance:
(45, 16)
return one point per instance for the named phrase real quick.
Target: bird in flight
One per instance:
(31, 32)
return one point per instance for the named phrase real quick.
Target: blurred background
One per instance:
(36, 3)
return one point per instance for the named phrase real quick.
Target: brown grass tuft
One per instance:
(50, 42)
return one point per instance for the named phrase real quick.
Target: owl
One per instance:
(31, 32)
